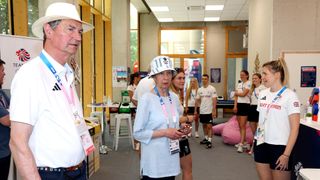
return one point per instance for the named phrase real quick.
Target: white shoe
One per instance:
(196, 134)
(240, 148)
(237, 145)
(247, 146)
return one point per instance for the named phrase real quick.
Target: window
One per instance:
(33, 14)
(134, 47)
(4, 17)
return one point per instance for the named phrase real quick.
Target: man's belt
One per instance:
(72, 168)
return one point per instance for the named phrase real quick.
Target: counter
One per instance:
(306, 151)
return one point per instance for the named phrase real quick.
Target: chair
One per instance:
(119, 118)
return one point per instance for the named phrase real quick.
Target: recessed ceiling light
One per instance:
(159, 8)
(211, 18)
(165, 19)
(214, 7)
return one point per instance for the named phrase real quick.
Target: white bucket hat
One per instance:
(56, 11)
(160, 64)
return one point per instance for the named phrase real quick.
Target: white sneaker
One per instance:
(196, 134)
(237, 145)
(240, 148)
(247, 146)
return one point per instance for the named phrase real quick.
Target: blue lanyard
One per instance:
(164, 109)
(254, 92)
(273, 101)
(279, 94)
(54, 72)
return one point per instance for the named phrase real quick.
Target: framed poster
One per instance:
(215, 75)
(308, 76)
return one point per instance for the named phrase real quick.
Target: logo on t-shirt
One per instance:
(264, 98)
(296, 104)
(56, 87)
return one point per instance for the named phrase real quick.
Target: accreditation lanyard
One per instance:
(54, 72)
(273, 101)
(80, 124)
(164, 109)
(255, 94)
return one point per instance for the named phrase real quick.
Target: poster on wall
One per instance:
(119, 76)
(215, 75)
(16, 51)
(308, 76)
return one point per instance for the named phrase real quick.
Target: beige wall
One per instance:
(260, 31)
(120, 38)
(296, 25)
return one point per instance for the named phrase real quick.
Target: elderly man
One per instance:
(49, 138)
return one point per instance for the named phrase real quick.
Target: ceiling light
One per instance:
(211, 18)
(214, 7)
(159, 8)
(165, 19)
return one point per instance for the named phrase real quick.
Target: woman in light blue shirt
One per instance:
(157, 125)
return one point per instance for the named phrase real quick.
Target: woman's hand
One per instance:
(235, 109)
(173, 133)
(282, 162)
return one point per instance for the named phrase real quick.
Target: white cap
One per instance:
(160, 64)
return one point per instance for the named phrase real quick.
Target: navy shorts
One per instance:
(184, 147)
(253, 115)
(269, 154)
(243, 109)
(191, 110)
(206, 118)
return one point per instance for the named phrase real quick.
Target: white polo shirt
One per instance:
(37, 99)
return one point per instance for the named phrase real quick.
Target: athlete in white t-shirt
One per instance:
(279, 116)
(190, 102)
(241, 107)
(253, 115)
(134, 80)
(207, 99)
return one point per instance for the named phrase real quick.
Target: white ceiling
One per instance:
(178, 9)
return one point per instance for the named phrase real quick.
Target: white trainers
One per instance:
(240, 148)
(196, 134)
(245, 145)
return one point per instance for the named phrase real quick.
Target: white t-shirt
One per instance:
(277, 125)
(206, 95)
(255, 94)
(38, 100)
(145, 85)
(240, 88)
(132, 87)
(192, 98)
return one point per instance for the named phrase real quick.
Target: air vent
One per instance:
(195, 8)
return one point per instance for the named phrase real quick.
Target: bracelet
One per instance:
(285, 155)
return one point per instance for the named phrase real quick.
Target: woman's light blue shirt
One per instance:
(156, 160)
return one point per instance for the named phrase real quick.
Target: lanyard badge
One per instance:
(79, 122)
(173, 144)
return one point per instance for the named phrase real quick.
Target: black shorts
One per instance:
(206, 118)
(191, 110)
(184, 147)
(269, 154)
(253, 115)
(243, 109)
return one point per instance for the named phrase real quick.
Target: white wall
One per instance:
(260, 31)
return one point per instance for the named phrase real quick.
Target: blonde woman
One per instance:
(190, 101)
(279, 120)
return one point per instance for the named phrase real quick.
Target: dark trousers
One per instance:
(164, 178)
(79, 174)
(5, 167)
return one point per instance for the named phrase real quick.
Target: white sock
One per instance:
(209, 139)
(206, 137)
